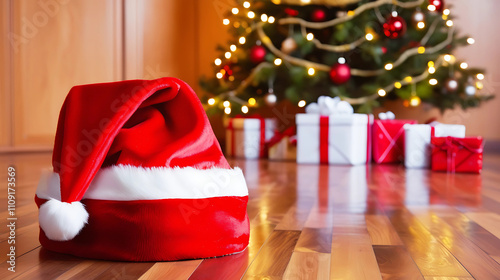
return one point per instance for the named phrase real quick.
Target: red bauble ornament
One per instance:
(257, 54)
(439, 4)
(340, 73)
(383, 49)
(318, 15)
(228, 72)
(291, 12)
(394, 27)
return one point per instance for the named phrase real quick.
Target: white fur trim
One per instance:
(126, 183)
(62, 221)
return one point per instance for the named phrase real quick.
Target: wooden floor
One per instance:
(309, 222)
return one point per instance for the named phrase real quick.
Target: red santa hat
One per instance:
(138, 175)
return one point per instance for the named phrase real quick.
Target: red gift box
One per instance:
(389, 140)
(453, 154)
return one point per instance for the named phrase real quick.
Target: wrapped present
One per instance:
(389, 138)
(283, 145)
(247, 137)
(418, 140)
(330, 133)
(454, 154)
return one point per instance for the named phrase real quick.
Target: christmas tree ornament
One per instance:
(418, 16)
(291, 12)
(288, 45)
(140, 177)
(318, 15)
(470, 90)
(228, 72)
(394, 27)
(257, 54)
(451, 85)
(270, 98)
(439, 4)
(340, 73)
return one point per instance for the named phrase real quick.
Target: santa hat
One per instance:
(138, 175)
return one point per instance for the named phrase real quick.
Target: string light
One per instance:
(227, 55)
(226, 104)
(232, 48)
(431, 8)
(447, 57)
(302, 103)
(421, 24)
(218, 61)
(263, 17)
(244, 109)
(277, 61)
(246, 4)
(449, 23)
(471, 40)
(388, 66)
(430, 63)
(235, 11)
(421, 50)
(227, 110)
(479, 85)
(415, 101)
(464, 65)
(252, 101)
(242, 40)
(305, 1)
(397, 85)
(408, 79)
(225, 21)
(311, 71)
(433, 82)
(369, 36)
(236, 24)
(432, 70)
(480, 76)
(446, 12)
(394, 13)
(211, 101)
(309, 36)
(219, 75)
(231, 78)
(270, 19)
(341, 60)
(251, 14)
(350, 13)
(381, 92)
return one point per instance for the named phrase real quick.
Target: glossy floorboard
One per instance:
(308, 222)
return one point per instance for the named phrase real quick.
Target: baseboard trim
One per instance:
(28, 149)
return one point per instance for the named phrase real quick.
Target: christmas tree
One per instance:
(364, 51)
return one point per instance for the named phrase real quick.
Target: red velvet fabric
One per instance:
(142, 123)
(389, 140)
(158, 230)
(457, 154)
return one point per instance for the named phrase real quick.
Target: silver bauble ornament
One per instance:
(418, 16)
(270, 99)
(288, 45)
(470, 90)
(451, 85)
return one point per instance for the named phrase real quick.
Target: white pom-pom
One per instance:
(390, 115)
(382, 116)
(62, 221)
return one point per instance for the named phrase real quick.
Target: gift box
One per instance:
(418, 139)
(247, 137)
(283, 145)
(330, 133)
(389, 140)
(454, 154)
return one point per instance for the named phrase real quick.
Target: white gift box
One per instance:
(418, 139)
(347, 141)
(244, 138)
